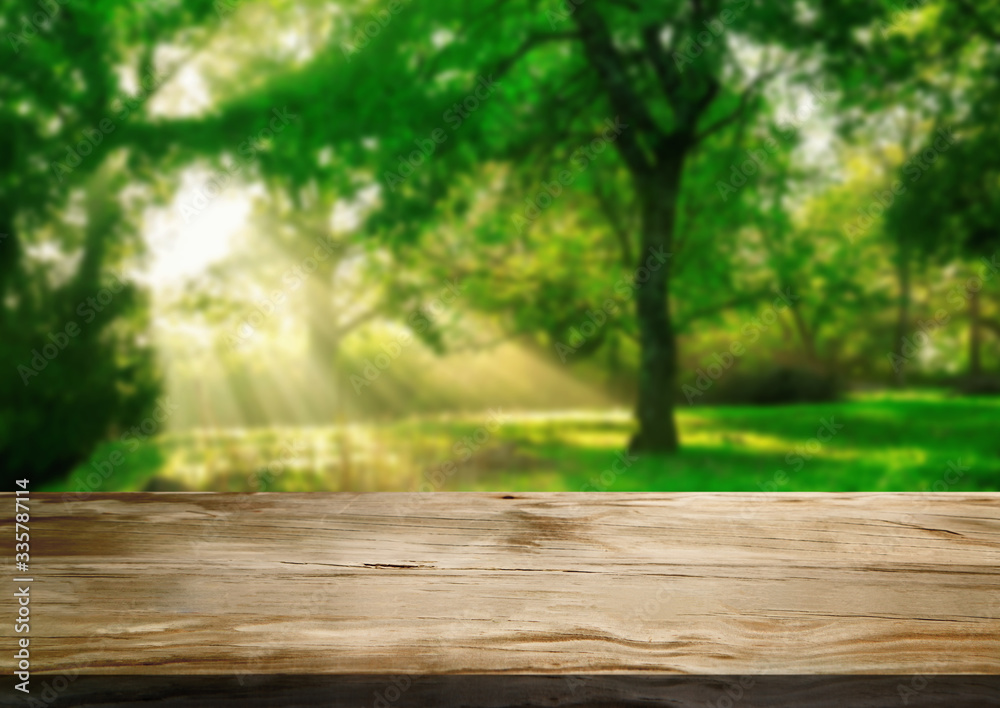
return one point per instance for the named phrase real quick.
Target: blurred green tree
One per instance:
(76, 365)
(951, 206)
(546, 87)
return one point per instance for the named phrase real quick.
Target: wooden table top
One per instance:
(484, 583)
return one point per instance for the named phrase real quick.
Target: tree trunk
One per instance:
(975, 337)
(324, 342)
(657, 432)
(9, 263)
(325, 338)
(806, 335)
(903, 317)
(321, 318)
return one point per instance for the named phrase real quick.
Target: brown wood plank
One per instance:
(469, 583)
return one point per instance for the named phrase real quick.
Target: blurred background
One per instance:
(599, 245)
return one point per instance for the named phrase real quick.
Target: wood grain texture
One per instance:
(468, 583)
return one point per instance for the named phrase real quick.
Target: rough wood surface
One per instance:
(443, 584)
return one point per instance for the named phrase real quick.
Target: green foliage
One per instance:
(953, 204)
(75, 368)
(518, 150)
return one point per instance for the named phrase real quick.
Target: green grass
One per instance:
(137, 466)
(897, 442)
(884, 445)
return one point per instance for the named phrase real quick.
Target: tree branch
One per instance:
(533, 40)
(748, 94)
(709, 310)
(666, 72)
(617, 227)
(361, 318)
(608, 64)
